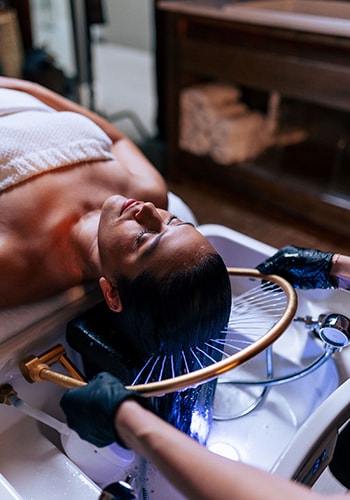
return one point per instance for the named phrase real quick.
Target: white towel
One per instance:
(214, 122)
(201, 106)
(13, 101)
(238, 139)
(36, 141)
(212, 95)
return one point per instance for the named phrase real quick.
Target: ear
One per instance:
(111, 295)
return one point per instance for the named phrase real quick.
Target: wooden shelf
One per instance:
(307, 67)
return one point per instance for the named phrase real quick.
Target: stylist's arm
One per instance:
(104, 410)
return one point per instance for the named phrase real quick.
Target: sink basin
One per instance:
(320, 16)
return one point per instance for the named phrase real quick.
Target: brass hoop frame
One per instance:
(210, 372)
(37, 369)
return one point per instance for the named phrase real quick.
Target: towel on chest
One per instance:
(36, 139)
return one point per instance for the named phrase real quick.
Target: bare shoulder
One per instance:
(144, 181)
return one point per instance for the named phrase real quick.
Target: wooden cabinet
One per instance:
(310, 69)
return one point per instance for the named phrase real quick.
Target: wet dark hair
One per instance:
(174, 313)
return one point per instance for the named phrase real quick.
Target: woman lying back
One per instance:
(72, 210)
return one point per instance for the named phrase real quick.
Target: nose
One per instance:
(148, 216)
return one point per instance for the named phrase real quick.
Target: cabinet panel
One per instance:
(310, 80)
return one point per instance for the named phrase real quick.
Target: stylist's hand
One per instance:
(303, 267)
(90, 410)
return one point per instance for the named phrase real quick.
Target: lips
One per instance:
(127, 204)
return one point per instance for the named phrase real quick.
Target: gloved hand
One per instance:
(303, 267)
(90, 410)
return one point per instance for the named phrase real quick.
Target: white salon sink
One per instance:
(33, 465)
(321, 16)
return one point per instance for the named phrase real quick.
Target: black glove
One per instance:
(303, 267)
(90, 410)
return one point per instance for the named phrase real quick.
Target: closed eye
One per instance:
(180, 222)
(143, 232)
(171, 218)
(140, 235)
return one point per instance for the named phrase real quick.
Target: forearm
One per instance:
(104, 409)
(194, 470)
(60, 103)
(340, 271)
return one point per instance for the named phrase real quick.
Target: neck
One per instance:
(84, 236)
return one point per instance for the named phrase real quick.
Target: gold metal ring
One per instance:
(36, 370)
(210, 372)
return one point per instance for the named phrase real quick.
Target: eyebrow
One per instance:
(149, 249)
(157, 239)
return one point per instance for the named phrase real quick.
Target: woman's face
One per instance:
(134, 236)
